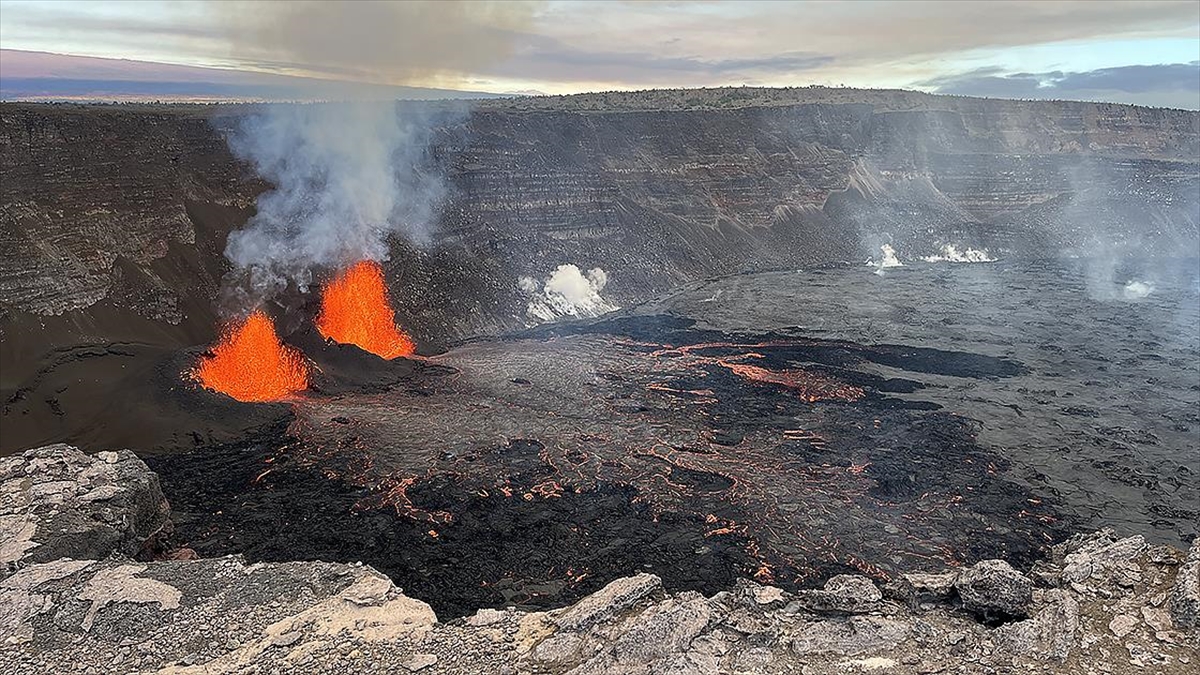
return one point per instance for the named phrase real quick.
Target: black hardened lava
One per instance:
(495, 552)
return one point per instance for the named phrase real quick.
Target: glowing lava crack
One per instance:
(355, 310)
(251, 364)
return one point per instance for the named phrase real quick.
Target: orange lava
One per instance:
(809, 386)
(355, 310)
(251, 364)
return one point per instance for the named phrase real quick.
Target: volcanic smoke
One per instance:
(251, 364)
(355, 310)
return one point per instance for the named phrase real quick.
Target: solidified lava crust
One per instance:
(496, 551)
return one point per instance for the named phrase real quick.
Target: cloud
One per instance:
(1169, 84)
(545, 58)
(39, 75)
(561, 47)
(391, 42)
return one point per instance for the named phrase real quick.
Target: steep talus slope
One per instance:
(114, 217)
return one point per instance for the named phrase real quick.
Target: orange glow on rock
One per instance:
(251, 364)
(355, 310)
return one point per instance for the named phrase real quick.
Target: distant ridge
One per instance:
(718, 98)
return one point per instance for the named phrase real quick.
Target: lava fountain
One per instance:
(251, 364)
(355, 310)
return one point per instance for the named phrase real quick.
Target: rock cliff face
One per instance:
(115, 217)
(1099, 605)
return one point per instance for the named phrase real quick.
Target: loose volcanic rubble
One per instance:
(1101, 604)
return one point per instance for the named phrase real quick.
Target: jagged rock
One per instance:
(559, 649)
(848, 593)
(1122, 624)
(661, 633)
(57, 502)
(607, 602)
(993, 589)
(20, 597)
(766, 596)
(1051, 634)
(1098, 555)
(375, 610)
(1185, 594)
(1165, 555)
(1157, 618)
(485, 617)
(917, 587)
(857, 635)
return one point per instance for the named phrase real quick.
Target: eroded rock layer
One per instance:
(115, 217)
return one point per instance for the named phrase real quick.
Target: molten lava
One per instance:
(251, 364)
(809, 386)
(355, 310)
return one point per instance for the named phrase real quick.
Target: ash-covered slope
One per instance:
(114, 217)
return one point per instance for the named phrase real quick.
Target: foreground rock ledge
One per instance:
(1102, 605)
(57, 502)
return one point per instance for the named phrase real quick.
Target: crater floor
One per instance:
(732, 429)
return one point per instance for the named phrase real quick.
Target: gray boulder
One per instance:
(844, 593)
(1185, 594)
(615, 598)
(57, 502)
(994, 590)
(1099, 556)
(1050, 635)
(917, 587)
(857, 635)
(656, 640)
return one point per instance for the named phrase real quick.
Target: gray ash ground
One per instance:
(786, 427)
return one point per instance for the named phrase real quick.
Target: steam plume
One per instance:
(348, 176)
(888, 258)
(567, 292)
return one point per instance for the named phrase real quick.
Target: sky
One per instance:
(1145, 52)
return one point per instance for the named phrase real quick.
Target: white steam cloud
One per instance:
(349, 176)
(950, 253)
(1136, 290)
(888, 258)
(346, 176)
(567, 292)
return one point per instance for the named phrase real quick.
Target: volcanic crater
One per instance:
(732, 421)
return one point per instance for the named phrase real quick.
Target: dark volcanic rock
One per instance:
(994, 590)
(57, 502)
(1185, 596)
